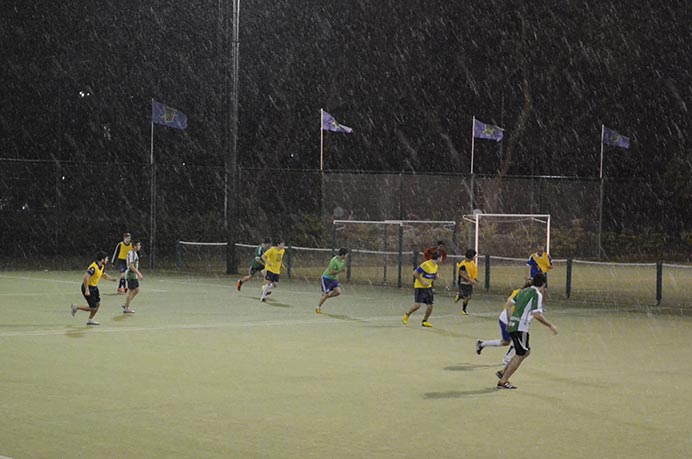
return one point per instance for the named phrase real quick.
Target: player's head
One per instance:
(279, 242)
(101, 256)
(470, 253)
(435, 256)
(538, 280)
(137, 245)
(127, 237)
(343, 252)
(540, 249)
(266, 242)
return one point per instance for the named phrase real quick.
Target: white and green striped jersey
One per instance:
(528, 301)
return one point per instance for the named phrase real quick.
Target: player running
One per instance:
(330, 283)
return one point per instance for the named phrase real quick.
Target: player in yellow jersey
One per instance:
(503, 320)
(90, 289)
(424, 294)
(539, 262)
(120, 260)
(467, 276)
(273, 261)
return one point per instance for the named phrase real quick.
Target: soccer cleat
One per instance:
(73, 307)
(92, 322)
(405, 319)
(464, 313)
(506, 385)
(128, 311)
(425, 323)
(318, 310)
(479, 347)
(121, 291)
(238, 284)
(499, 374)
(456, 298)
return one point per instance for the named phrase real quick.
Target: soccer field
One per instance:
(203, 371)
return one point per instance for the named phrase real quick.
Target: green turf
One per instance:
(203, 371)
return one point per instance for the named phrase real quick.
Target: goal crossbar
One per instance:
(542, 218)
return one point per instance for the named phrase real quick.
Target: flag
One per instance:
(167, 116)
(487, 131)
(614, 139)
(330, 124)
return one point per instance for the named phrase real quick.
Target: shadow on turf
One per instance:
(469, 367)
(458, 393)
(342, 317)
(77, 332)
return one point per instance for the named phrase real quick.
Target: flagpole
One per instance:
(321, 140)
(473, 138)
(600, 200)
(152, 179)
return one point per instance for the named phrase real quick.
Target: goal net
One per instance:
(506, 241)
(381, 250)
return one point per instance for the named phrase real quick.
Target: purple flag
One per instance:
(614, 139)
(330, 124)
(167, 116)
(487, 131)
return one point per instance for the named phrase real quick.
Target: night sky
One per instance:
(407, 76)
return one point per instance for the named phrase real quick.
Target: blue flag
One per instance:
(614, 139)
(167, 116)
(330, 124)
(487, 131)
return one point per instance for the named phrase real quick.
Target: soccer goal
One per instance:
(381, 249)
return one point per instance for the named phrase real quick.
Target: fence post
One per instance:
(348, 265)
(178, 255)
(288, 261)
(568, 279)
(659, 282)
(333, 239)
(487, 272)
(401, 255)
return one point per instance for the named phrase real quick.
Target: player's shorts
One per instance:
(505, 333)
(465, 290)
(521, 342)
(271, 277)
(424, 296)
(328, 284)
(254, 270)
(132, 284)
(94, 298)
(121, 264)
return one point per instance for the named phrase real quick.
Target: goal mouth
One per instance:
(507, 235)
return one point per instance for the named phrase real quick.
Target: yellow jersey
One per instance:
(274, 258)
(469, 267)
(95, 271)
(121, 251)
(428, 271)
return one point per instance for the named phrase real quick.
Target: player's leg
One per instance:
(504, 341)
(429, 299)
(522, 349)
(132, 291)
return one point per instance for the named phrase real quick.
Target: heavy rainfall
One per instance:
(203, 128)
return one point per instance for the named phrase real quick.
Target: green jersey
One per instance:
(257, 260)
(132, 257)
(528, 301)
(336, 264)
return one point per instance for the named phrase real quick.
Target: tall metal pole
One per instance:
(231, 23)
(152, 180)
(600, 200)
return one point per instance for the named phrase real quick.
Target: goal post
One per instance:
(519, 221)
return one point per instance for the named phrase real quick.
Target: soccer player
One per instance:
(424, 294)
(505, 340)
(330, 283)
(273, 261)
(120, 260)
(528, 304)
(256, 264)
(539, 262)
(440, 249)
(90, 289)
(133, 276)
(467, 276)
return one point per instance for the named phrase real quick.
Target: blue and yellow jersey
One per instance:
(469, 267)
(274, 257)
(542, 264)
(121, 251)
(428, 271)
(95, 271)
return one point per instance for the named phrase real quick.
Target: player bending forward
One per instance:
(330, 282)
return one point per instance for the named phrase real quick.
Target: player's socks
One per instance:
(492, 343)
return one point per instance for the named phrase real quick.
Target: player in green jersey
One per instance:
(330, 283)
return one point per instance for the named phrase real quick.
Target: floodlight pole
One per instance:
(231, 22)
(600, 200)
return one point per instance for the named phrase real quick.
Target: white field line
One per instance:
(273, 323)
(56, 281)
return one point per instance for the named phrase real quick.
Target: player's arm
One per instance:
(418, 275)
(107, 277)
(539, 317)
(87, 279)
(131, 266)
